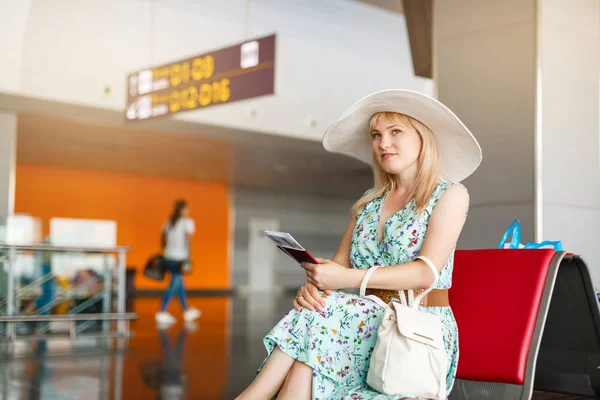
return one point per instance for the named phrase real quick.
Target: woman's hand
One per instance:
(308, 296)
(328, 274)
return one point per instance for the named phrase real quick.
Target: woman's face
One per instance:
(396, 145)
(185, 211)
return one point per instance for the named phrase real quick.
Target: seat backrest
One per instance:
(495, 297)
(569, 355)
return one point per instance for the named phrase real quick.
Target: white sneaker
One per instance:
(191, 314)
(164, 318)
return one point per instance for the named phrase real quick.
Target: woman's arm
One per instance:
(189, 234)
(443, 231)
(308, 294)
(445, 226)
(163, 237)
(189, 237)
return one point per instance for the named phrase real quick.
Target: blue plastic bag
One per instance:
(514, 230)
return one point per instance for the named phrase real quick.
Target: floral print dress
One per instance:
(337, 342)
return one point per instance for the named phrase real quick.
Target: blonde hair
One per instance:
(428, 165)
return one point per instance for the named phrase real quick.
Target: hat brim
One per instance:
(460, 153)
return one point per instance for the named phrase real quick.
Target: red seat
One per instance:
(526, 319)
(495, 297)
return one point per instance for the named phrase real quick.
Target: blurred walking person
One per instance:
(177, 237)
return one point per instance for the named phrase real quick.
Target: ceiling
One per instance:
(80, 136)
(244, 159)
(419, 22)
(394, 6)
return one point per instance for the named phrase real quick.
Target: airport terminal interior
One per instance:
(170, 175)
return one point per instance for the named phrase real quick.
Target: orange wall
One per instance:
(140, 205)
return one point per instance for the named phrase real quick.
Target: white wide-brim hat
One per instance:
(349, 135)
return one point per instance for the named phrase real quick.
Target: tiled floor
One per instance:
(213, 359)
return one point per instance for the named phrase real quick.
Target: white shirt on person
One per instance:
(176, 247)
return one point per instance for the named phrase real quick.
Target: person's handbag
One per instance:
(184, 267)
(156, 268)
(514, 231)
(409, 356)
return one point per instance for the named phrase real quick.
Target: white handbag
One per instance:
(409, 356)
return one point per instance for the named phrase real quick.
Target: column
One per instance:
(8, 157)
(8, 136)
(524, 76)
(261, 255)
(568, 126)
(484, 70)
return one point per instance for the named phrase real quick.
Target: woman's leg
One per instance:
(169, 293)
(298, 383)
(270, 378)
(181, 292)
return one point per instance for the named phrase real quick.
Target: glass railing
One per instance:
(48, 290)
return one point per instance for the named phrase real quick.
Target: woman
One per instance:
(176, 241)
(418, 149)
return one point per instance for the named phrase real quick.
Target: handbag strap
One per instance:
(412, 302)
(365, 279)
(436, 274)
(514, 230)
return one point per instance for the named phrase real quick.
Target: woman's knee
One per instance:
(299, 373)
(301, 368)
(298, 382)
